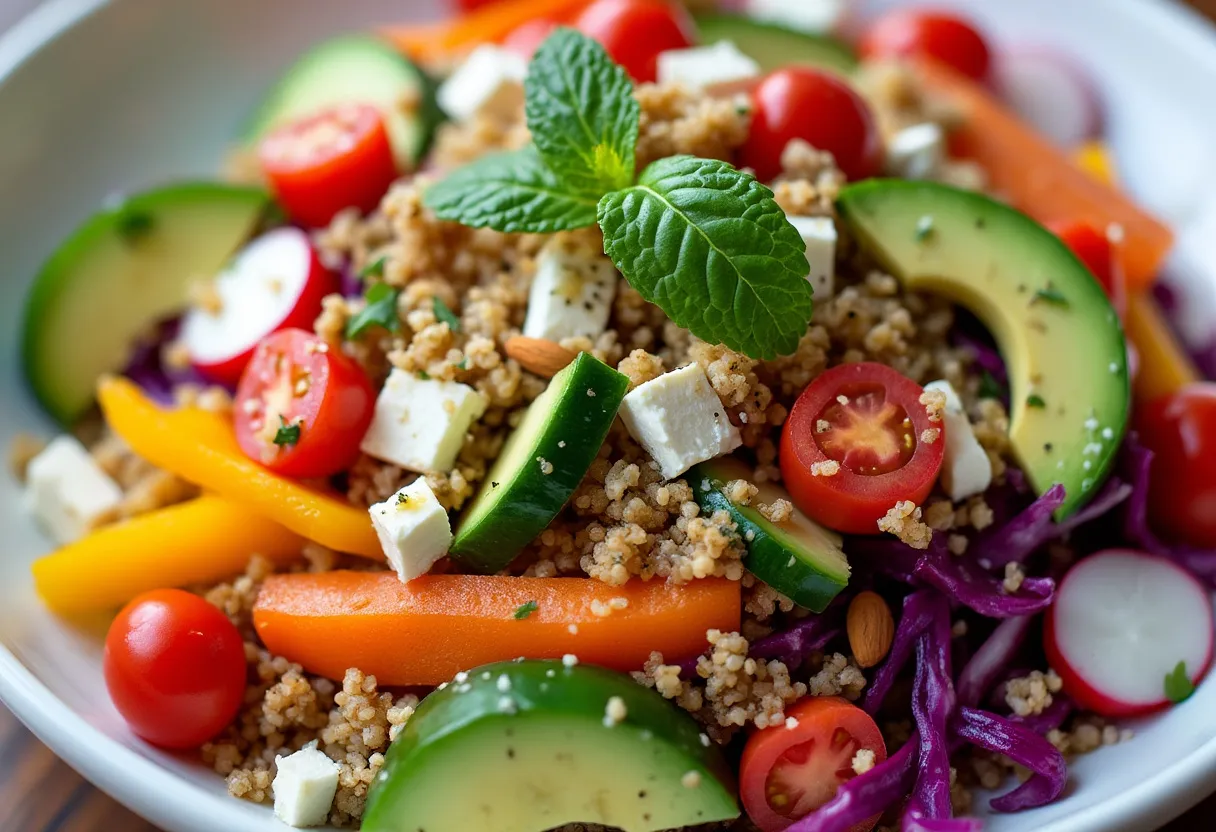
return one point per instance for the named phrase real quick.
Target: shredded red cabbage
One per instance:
(915, 619)
(1020, 744)
(964, 581)
(933, 702)
(146, 366)
(995, 654)
(1051, 718)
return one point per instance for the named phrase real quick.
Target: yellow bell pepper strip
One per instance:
(201, 541)
(1095, 158)
(488, 24)
(1164, 365)
(1042, 180)
(201, 447)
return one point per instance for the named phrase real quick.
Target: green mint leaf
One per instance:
(445, 315)
(288, 433)
(582, 114)
(1178, 685)
(524, 610)
(381, 310)
(709, 245)
(1035, 400)
(510, 192)
(374, 268)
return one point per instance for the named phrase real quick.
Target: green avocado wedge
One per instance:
(1055, 328)
(532, 745)
(799, 558)
(122, 270)
(774, 46)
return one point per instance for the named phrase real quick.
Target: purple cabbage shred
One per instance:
(866, 795)
(1022, 745)
(990, 660)
(146, 366)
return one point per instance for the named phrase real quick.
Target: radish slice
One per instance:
(276, 282)
(1051, 93)
(1121, 622)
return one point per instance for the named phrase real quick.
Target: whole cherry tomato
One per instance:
(1180, 429)
(634, 32)
(931, 34)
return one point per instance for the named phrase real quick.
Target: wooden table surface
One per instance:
(40, 793)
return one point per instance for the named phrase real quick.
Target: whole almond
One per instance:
(871, 628)
(538, 355)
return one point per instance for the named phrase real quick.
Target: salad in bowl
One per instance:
(674, 417)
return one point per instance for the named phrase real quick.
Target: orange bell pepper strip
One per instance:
(488, 24)
(200, 541)
(1042, 180)
(424, 632)
(201, 447)
(1165, 367)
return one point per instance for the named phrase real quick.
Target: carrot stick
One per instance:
(1040, 179)
(424, 632)
(200, 541)
(488, 24)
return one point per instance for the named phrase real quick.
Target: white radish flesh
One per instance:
(1051, 93)
(1122, 621)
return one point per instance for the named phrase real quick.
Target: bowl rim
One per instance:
(145, 786)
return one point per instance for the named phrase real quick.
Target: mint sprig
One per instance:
(381, 311)
(704, 241)
(1178, 685)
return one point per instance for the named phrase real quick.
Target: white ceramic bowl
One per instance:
(96, 97)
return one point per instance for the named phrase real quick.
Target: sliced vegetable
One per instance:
(175, 668)
(855, 444)
(489, 24)
(1180, 430)
(423, 632)
(1097, 160)
(549, 743)
(775, 46)
(201, 447)
(541, 464)
(1165, 367)
(125, 268)
(798, 557)
(1121, 622)
(790, 770)
(917, 32)
(634, 32)
(1040, 179)
(356, 69)
(1051, 93)
(1094, 248)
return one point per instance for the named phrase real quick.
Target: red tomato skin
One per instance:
(1180, 430)
(175, 668)
(846, 501)
(336, 409)
(526, 39)
(634, 32)
(919, 33)
(321, 282)
(314, 185)
(1093, 248)
(765, 746)
(819, 108)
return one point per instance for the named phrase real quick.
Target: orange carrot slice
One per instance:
(488, 24)
(1040, 179)
(424, 632)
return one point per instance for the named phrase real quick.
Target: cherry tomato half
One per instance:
(302, 408)
(1097, 252)
(931, 34)
(634, 32)
(175, 668)
(869, 420)
(1180, 429)
(787, 773)
(340, 158)
(819, 108)
(526, 38)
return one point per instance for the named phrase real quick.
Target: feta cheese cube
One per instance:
(703, 66)
(491, 77)
(420, 424)
(815, 16)
(304, 787)
(819, 234)
(966, 469)
(413, 529)
(679, 420)
(916, 152)
(66, 490)
(571, 293)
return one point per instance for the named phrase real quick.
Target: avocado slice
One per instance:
(774, 46)
(541, 464)
(800, 559)
(122, 270)
(1054, 326)
(531, 745)
(357, 69)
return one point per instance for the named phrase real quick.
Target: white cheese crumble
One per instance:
(704, 66)
(491, 78)
(819, 234)
(67, 491)
(916, 152)
(420, 424)
(413, 529)
(966, 468)
(572, 292)
(304, 787)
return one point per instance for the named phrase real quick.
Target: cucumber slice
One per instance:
(123, 269)
(363, 69)
(799, 558)
(541, 464)
(773, 46)
(526, 746)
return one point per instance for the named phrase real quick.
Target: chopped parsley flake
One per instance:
(1035, 400)
(1178, 685)
(524, 610)
(1052, 296)
(288, 433)
(444, 314)
(374, 268)
(403, 499)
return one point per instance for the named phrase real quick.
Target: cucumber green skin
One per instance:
(56, 276)
(768, 558)
(501, 520)
(277, 107)
(774, 46)
(579, 692)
